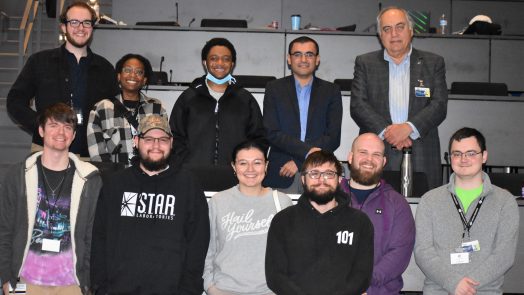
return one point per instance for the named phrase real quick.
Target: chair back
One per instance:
(253, 81)
(345, 84)
(479, 88)
(223, 23)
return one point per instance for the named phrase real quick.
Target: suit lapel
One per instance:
(293, 99)
(382, 72)
(415, 69)
(314, 100)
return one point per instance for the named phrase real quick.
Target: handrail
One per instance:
(4, 26)
(25, 29)
(30, 26)
(25, 16)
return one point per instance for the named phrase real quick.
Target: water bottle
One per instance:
(443, 24)
(406, 174)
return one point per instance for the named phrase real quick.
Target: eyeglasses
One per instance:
(467, 155)
(308, 55)
(76, 23)
(224, 58)
(315, 174)
(165, 140)
(398, 28)
(129, 71)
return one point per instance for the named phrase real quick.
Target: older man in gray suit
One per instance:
(400, 94)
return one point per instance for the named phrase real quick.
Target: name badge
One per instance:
(459, 258)
(134, 132)
(79, 116)
(472, 246)
(51, 245)
(422, 92)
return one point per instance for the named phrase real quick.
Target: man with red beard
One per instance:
(151, 230)
(321, 245)
(71, 74)
(388, 210)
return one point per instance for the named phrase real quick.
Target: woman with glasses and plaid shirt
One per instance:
(113, 122)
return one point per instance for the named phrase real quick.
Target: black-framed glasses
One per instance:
(76, 23)
(315, 174)
(467, 155)
(308, 55)
(164, 140)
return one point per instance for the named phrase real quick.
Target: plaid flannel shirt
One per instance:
(109, 138)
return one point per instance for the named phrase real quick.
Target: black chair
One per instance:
(159, 24)
(479, 88)
(350, 28)
(511, 181)
(483, 28)
(252, 81)
(345, 84)
(223, 23)
(158, 78)
(420, 182)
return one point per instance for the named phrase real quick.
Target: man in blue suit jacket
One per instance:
(302, 114)
(400, 93)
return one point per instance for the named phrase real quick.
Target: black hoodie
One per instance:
(309, 253)
(151, 234)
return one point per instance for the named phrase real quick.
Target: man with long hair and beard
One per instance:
(388, 210)
(321, 245)
(151, 229)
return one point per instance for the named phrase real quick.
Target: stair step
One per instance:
(4, 88)
(13, 34)
(14, 153)
(18, 145)
(12, 45)
(8, 74)
(5, 119)
(4, 168)
(15, 134)
(14, 21)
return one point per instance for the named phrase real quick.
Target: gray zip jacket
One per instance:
(18, 201)
(439, 232)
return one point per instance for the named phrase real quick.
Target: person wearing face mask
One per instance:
(114, 122)
(214, 114)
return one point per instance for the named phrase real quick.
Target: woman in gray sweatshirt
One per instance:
(240, 219)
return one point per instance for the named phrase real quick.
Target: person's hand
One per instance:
(5, 287)
(404, 144)
(312, 150)
(466, 286)
(396, 134)
(289, 169)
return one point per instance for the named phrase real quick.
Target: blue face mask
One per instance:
(219, 81)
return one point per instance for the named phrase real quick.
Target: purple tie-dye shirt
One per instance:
(52, 222)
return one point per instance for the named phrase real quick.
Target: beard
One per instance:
(154, 165)
(73, 42)
(365, 178)
(151, 165)
(320, 198)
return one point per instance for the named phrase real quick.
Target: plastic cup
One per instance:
(295, 22)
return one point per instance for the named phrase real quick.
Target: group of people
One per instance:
(148, 229)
